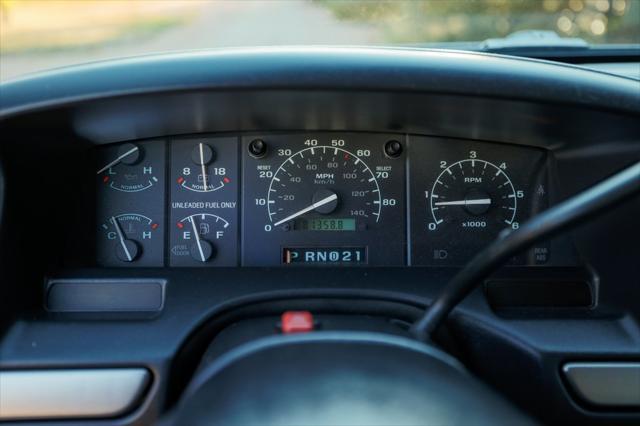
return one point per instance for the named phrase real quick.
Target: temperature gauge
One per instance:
(129, 238)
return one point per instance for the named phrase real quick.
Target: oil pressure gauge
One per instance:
(127, 169)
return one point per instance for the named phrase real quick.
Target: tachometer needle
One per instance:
(119, 159)
(465, 202)
(315, 205)
(195, 231)
(204, 172)
(121, 236)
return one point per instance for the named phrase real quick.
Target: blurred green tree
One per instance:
(421, 21)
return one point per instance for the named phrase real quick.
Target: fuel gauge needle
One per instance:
(121, 236)
(204, 174)
(195, 231)
(119, 159)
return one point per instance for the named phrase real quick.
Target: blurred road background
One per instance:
(42, 34)
(49, 36)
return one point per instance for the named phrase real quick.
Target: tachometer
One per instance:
(466, 193)
(473, 193)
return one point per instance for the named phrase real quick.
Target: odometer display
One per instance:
(321, 224)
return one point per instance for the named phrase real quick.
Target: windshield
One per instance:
(37, 35)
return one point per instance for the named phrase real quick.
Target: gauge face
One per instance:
(204, 202)
(126, 169)
(324, 181)
(198, 235)
(323, 199)
(128, 237)
(130, 189)
(473, 194)
(202, 173)
(465, 194)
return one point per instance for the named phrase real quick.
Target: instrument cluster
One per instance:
(316, 199)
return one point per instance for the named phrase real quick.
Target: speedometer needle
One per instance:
(315, 205)
(464, 202)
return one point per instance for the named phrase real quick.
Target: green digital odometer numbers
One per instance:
(326, 224)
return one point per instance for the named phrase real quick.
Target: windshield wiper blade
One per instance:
(533, 39)
(548, 45)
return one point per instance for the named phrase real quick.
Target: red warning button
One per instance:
(297, 322)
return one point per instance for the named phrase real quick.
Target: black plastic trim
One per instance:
(322, 68)
(96, 295)
(503, 294)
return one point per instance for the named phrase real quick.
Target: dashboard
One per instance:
(313, 199)
(151, 206)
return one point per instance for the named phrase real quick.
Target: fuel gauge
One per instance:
(202, 238)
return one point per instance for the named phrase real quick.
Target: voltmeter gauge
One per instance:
(128, 238)
(202, 173)
(126, 169)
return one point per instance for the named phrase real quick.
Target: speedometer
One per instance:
(324, 199)
(324, 181)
